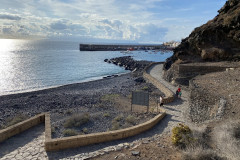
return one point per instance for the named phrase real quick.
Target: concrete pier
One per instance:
(119, 47)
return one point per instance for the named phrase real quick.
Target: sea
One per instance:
(29, 65)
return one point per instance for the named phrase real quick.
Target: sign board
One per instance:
(140, 98)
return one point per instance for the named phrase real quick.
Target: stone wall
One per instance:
(193, 70)
(204, 105)
(180, 74)
(83, 140)
(76, 141)
(169, 95)
(20, 127)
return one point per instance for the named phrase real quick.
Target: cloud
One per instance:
(139, 20)
(58, 25)
(151, 32)
(9, 17)
(7, 30)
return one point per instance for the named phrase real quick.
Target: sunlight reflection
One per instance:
(9, 75)
(7, 45)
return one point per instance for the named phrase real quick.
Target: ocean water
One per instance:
(27, 65)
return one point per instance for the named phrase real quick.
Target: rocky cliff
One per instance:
(206, 60)
(217, 40)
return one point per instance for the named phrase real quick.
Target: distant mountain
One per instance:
(217, 40)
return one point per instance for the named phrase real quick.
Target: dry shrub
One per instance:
(131, 119)
(201, 154)
(85, 130)
(77, 120)
(109, 97)
(115, 126)
(118, 118)
(106, 115)
(198, 148)
(227, 139)
(16, 119)
(70, 132)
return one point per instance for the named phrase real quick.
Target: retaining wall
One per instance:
(186, 70)
(83, 140)
(169, 95)
(76, 141)
(20, 127)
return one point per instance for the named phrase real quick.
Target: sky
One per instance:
(143, 21)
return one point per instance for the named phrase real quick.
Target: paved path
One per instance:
(176, 111)
(30, 144)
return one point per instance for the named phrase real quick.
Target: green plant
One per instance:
(85, 130)
(106, 114)
(118, 118)
(69, 111)
(131, 119)
(53, 130)
(70, 132)
(181, 135)
(77, 120)
(115, 125)
(145, 88)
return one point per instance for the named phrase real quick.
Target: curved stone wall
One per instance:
(76, 141)
(83, 140)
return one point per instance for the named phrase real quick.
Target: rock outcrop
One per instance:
(217, 40)
(128, 63)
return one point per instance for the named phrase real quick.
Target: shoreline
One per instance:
(131, 67)
(62, 97)
(88, 80)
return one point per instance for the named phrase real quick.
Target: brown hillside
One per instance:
(217, 40)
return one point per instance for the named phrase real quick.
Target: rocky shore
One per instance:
(128, 63)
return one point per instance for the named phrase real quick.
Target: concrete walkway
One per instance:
(30, 144)
(176, 110)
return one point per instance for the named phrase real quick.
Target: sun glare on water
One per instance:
(7, 45)
(8, 72)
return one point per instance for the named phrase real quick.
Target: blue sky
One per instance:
(147, 21)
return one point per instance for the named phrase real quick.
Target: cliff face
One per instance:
(217, 40)
(205, 59)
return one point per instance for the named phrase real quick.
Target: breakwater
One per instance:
(120, 47)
